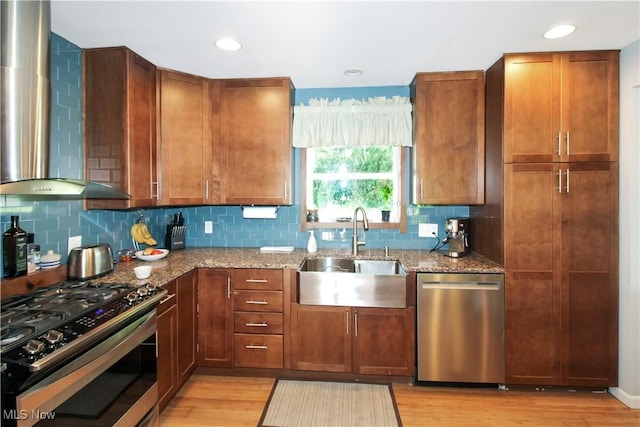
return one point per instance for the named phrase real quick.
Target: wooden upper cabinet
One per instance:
(255, 137)
(448, 126)
(120, 125)
(561, 106)
(184, 111)
(590, 106)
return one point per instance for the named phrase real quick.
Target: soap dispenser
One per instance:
(312, 245)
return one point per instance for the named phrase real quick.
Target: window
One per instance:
(336, 180)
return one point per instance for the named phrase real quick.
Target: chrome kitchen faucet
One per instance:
(365, 226)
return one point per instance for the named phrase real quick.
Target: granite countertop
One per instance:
(180, 262)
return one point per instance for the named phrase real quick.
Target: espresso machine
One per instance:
(457, 230)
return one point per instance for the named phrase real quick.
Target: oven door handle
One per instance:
(55, 389)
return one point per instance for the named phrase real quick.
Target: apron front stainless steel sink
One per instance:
(352, 282)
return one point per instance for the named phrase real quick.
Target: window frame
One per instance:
(400, 224)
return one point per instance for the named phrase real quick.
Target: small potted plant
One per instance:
(385, 191)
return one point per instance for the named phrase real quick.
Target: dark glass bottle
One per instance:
(14, 250)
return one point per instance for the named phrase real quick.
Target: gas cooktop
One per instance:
(48, 320)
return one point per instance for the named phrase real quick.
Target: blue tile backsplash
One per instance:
(54, 221)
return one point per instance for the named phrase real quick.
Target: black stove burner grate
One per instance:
(32, 314)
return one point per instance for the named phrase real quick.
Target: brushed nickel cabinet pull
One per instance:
(257, 302)
(559, 143)
(567, 186)
(260, 325)
(257, 347)
(355, 323)
(167, 298)
(346, 319)
(228, 287)
(157, 195)
(560, 181)
(256, 280)
(206, 189)
(567, 143)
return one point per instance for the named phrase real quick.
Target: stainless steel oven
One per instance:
(92, 367)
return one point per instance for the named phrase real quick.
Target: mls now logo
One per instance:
(23, 414)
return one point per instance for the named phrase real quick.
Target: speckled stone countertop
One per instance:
(179, 262)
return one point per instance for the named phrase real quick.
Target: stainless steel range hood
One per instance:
(24, 129)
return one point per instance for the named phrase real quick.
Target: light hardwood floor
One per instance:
(207, 400)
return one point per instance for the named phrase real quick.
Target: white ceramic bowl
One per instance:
(142, 271)
(144, 257)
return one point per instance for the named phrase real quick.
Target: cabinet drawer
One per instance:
(169, 300)
(258, 351)
(258, 279)
(258, 323)
(258, 301)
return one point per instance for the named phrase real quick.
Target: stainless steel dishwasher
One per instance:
(460, 329)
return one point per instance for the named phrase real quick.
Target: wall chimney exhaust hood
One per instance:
(24, 108)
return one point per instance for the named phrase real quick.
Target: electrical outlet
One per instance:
(208, 227)
(427, 230)
(74, 242)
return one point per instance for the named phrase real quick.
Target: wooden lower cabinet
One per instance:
(384, 341)
(258, 351)
(258, 319)
(561, 273)
(215, 318)
(187, 328)
(176, 336)
(353, 339)
(167, 347)
(320, 338)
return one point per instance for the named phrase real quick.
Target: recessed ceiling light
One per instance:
(353, 72)
(559, 31)
(228, 44)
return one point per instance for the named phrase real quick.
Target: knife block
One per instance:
(175, 237)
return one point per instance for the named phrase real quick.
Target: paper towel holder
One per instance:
(259, 212)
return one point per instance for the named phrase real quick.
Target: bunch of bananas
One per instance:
(140, 233)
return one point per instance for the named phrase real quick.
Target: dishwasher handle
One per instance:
(466, 286)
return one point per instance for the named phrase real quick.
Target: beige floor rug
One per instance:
(330, 404)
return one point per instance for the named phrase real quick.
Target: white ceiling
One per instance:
(315, 42)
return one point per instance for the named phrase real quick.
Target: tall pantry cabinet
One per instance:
(551, 213)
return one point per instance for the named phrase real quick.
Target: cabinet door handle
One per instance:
(567, 143)
(559, 143)
(256, 280)
(258, 347)
(206, 189)
(355, 323)
(346, 319)
(167, 298)
(257, 302)
(560, 181)
(228, 287)
(567, 186)
(259, 325)
(157, 195)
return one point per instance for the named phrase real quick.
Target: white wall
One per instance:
(628, 390)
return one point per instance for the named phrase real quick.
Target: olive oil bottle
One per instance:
(14, 250)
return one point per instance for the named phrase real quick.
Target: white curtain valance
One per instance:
(352, 123)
